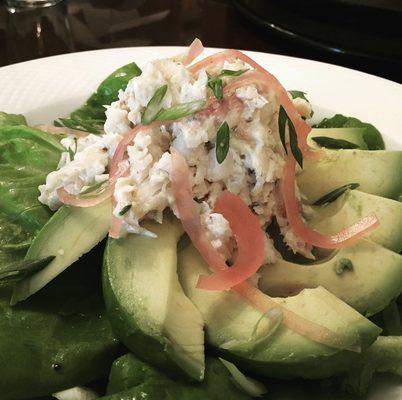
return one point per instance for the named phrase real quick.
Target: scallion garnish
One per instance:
(216, 85)
(154, 105)
(222, 142)
(331, 143)
(298, 94)
(332, 196)
(72, 153)
(93, 187)
(180, 111)
(125, 209)
(284, 120)
(215, 82)
(229, 72)
(342, 265)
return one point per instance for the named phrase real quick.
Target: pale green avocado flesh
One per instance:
(377, 172)
(146, 304)
(366, 276)
(352, 206)
(69, 233)
(241, 332)
(352, 135)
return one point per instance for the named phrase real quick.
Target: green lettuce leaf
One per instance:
(91, 116)
(11, 119)
(59, 338)
(131, 378)
(371, 134)
(26, 157)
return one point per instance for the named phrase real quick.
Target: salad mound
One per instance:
(232, 224)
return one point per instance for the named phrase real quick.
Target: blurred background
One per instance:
(361, 34)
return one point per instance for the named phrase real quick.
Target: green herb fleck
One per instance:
(297, 94)
(332, 196)
(215, 82)
(229, 72)
(90, 125)
(125, 209)
(154, 105)
(284, 119)
(222, 142)
(93, 187)
(282, 127)
(216, 85)
(180, 111)
(297, 154)
(71, 153)
(331, 143)
(342, 265)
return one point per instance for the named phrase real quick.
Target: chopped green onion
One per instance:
(91, 125)
(93, 187)
(298, 94)
(215, 82)
(247, 385)
(222, 142)
(180, 111)
(216, 85)
(229, 72)
(22, 269)
(125, 209)
(342, 265)
(332, 196)
(283, 118)
(297, 154)
(71, 153)
(154, 105)
(282, 127)
(332, 143)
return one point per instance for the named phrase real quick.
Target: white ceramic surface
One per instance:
(51, 87)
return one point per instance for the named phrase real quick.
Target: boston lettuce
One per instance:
(91, 116)
(131, 378)
(59, 338)
(371, 134)
(11, 119)
(26, 156)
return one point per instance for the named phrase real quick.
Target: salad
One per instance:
(188, 233)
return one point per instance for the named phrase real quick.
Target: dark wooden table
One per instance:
(77, 25)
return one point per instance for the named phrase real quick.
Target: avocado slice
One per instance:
(378, 172)
(69, 233)
(351, 135)
(145, 303)
(239, 332)
(366, 276)
(353, 205)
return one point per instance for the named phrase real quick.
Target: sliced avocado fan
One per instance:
(366, 276)
(242, 334)
(147, 307)
(377, 172)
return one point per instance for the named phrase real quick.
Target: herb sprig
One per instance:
(332, 196)
(284, 120)
(222, 142)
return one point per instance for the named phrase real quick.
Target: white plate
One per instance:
(51, 87)
(48, 88)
